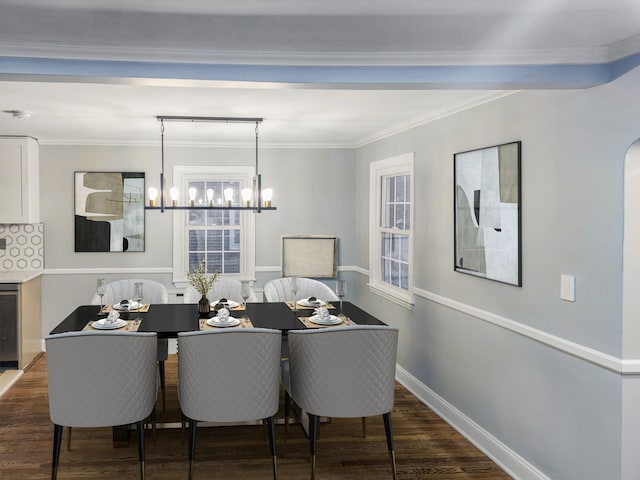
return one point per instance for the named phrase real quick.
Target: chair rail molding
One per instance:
(615, 364)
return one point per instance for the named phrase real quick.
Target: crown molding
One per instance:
(574, 56)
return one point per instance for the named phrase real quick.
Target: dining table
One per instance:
(167, 320)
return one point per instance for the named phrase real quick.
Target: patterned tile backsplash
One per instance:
(24, 249)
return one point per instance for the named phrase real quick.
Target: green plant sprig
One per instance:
(200, 280)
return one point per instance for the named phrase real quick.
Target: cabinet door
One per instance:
(19, 182)
(12, 207)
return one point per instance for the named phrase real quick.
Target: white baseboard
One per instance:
(8, 378)
(501, 454)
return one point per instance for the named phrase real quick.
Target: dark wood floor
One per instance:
(426, 447)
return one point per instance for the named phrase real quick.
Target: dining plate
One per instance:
(126, 308)
(231, 303)
(333, 320)
(104, 325)
(215, 322)
(306, 303)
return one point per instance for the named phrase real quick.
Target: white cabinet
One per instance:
(19, 180)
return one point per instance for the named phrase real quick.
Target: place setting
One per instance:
(323, 318)
(226, 303)
(223, 319)
(113, 322)
(308, 303)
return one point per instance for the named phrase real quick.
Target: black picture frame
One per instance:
(487, 199)
(109, 211)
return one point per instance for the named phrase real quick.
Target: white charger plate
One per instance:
(306, 303)
(231, 303)
(333, 320)
(104, 325)
(215, 322)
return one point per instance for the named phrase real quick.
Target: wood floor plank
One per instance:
(426, 446)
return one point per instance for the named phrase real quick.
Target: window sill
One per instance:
(404, 301)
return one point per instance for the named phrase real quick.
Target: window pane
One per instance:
(232, 217)
(214, 262)
(404, 248)
(214, 240)
(407, 216)
(390, 188)
(196, 218)
(399, 216)
(404, 276)
(196, 240)
(399, 193)
(194, 260)
(214, 217)
(232, 240)
(395, 274)
(232, 262)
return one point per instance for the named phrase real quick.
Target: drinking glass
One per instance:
(101, 289)
(341, 291)
(137, 296)
(245, 292)
(294, 290)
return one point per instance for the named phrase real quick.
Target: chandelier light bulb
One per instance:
(228, 196)
(173, 192)
(153, 196)
(267, 194)
(246, 196)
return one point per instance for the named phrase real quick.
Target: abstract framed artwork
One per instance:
(109, 211)
(487, 213)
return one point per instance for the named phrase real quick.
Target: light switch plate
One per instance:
(568, 288)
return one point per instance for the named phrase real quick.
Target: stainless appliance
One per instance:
(9, 326)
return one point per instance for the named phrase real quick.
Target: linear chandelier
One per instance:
(253, 199)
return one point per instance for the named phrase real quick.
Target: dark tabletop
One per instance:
(168, 319)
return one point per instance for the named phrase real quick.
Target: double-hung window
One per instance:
(391, 229)
(223, 238)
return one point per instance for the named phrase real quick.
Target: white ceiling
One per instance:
(390, 34)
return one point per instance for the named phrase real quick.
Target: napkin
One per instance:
(323, 313)
(112, 317)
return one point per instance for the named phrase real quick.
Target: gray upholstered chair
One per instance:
(342, 372)
(229, 376)
(279, 290)
(100, 379)
(223, 288)
(153, 292)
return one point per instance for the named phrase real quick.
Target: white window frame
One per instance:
(394, 166)
(181, 176)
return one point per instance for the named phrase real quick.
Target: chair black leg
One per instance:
(272, 445)
(140, 428)
(313, 440)
(192, 445)
(57, 442)
(287, 413)
(388, 429)
(162, 385)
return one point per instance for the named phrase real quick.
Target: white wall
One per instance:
(519, 368)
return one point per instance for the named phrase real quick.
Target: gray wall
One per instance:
(560, 413)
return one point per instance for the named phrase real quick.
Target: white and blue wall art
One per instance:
(487, 227)
(109, 212)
